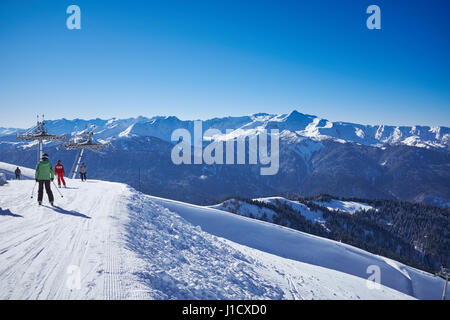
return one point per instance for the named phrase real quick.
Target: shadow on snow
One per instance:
(71, 213)
(9, 213)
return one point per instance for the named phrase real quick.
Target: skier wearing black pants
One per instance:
(44, 174)
(48, 189)
(83, 172)
(17, 172)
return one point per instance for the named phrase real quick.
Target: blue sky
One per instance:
(200, 59)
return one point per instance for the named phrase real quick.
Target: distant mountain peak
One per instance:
(295, 115)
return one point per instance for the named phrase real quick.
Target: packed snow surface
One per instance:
(104, 240)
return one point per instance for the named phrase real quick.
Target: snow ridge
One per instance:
(294, 124)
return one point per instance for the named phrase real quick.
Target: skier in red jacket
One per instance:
(59, 170)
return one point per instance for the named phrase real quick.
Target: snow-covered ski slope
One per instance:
(116, 243)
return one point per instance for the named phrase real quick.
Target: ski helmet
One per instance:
(45, 156)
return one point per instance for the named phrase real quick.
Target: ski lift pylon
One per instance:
(81, 143)
(39, 133)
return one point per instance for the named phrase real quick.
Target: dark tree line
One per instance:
(415, 234)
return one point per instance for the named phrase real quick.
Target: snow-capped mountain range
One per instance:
(316, 156)
(294, 124)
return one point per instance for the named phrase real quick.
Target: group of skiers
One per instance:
(45, 173)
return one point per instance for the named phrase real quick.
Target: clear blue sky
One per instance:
(200, 59)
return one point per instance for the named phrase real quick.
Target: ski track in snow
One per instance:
(37, 248)
(129, 246)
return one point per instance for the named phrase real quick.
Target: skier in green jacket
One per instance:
(44, 174)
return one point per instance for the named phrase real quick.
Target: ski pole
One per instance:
(57, 189)
(32, 192)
